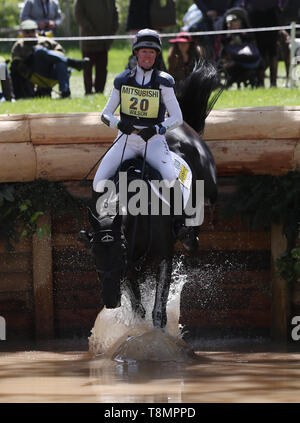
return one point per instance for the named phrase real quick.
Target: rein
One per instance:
(135, 220)
(137, 264)
(83, 180)
(108, 234)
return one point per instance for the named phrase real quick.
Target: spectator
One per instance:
(290, 12)
(183, 57)
(239, 56)
(40, 61)
(213, 12)
(264, 13)
(150, 14)
(139, 17)
(46, 13)
(96, 17)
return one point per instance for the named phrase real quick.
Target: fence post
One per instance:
(42, 281)
(279, 290)
(292, 54)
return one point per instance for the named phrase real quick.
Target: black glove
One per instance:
(147, 133)
(125, 127)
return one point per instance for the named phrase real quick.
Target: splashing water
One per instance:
(123, 336)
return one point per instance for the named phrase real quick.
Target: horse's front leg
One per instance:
(163, 281)
(131, 285)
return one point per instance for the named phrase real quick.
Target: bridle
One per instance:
(107, 237)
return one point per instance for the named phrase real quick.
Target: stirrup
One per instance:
(187, 236)
(85, 237)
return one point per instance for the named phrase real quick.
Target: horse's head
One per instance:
(108, 246)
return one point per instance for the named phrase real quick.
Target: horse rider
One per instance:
(144, 95)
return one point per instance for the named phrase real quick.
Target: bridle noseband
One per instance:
(107, 237)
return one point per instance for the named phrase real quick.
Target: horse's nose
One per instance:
(113, 302)
(111, 292)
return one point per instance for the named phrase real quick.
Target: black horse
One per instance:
(122, 244)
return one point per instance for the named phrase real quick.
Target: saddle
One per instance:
(186, 234)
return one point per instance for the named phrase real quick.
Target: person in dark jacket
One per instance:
(215, 9)
(239, 56)
(265, 13)
(213, 12)
(96, 17)
(138, 15)
(139, 18)
(46, 13)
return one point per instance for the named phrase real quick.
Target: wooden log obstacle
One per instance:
(63, 147)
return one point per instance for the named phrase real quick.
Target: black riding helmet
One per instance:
(147, 38)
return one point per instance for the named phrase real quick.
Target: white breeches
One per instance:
(157, 155)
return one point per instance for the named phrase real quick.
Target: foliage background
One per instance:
(9, 13)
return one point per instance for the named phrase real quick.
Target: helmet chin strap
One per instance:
(149, 69)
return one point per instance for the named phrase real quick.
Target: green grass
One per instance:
(258, 97)
(118, 57)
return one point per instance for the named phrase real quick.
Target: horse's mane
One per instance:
(195, 97)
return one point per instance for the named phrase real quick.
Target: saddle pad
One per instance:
(184, 174)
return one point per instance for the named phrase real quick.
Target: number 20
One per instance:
(144, 104)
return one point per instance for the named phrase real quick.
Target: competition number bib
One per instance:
(140, 102)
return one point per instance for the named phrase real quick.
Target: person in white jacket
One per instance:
(144, 95)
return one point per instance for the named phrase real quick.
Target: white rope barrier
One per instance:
(164, 35)
(292, 28)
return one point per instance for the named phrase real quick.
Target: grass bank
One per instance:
(118, 58)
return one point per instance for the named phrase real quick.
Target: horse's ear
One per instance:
(93, 220)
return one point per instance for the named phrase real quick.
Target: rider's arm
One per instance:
(175, 116)
(108, 112)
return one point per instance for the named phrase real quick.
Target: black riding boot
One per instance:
(185, 234)
(78, 64)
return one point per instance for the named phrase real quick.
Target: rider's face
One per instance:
(146, 57)
(183, 47)
(234, 24)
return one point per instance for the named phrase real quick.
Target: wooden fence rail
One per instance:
(64, 147)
